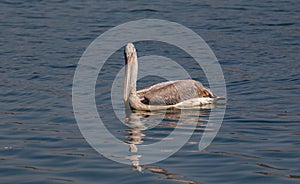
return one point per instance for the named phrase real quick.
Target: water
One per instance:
(257, 44)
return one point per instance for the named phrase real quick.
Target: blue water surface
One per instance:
(256, 42)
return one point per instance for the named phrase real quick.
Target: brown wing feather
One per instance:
(141, 93)
(173, 92)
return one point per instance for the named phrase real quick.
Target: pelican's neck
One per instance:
(133, 75)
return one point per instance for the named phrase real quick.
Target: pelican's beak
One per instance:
(130, 55)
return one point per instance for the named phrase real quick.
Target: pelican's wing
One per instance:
(173, 92)
(141, 93)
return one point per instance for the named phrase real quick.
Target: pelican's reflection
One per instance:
(134, 137)
(139, 121)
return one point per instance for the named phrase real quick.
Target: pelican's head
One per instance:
(130, 52)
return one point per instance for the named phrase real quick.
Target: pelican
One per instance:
(166, 95)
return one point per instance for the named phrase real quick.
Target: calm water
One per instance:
(257, 44)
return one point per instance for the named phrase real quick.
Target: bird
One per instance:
(175, 94)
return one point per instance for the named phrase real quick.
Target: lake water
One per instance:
(257, 44)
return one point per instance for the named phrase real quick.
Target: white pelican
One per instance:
(165, 95)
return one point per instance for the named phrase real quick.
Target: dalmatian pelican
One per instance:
(166, 95)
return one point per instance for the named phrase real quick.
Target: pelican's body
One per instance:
(165, 95)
